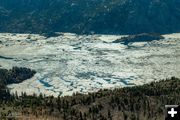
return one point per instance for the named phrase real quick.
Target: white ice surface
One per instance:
(73, 63)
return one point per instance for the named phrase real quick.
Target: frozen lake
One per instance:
(79, 63)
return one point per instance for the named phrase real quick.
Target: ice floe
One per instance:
(71, 63)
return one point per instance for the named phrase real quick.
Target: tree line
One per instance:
(144, 102)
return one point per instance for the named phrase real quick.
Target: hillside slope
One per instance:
(89, 16)
(145, 102)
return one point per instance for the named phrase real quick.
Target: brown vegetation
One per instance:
(144, 102)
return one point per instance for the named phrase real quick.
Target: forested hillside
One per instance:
(15, 75)
(144, 102)
(90, 16)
